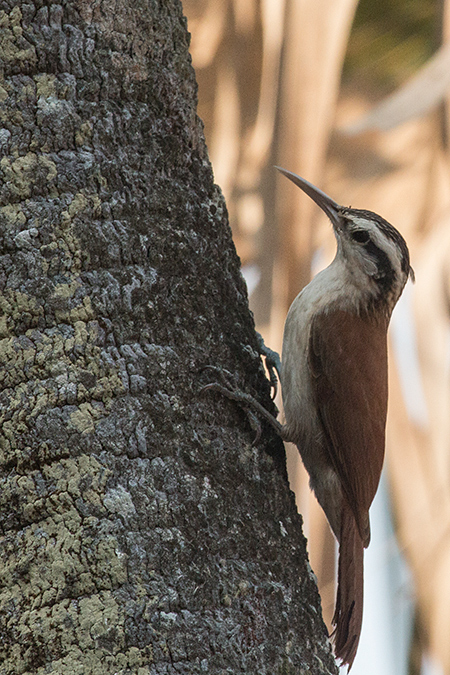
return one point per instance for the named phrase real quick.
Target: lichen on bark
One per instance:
(141, 532)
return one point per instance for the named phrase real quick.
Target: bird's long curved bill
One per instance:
(325, 202)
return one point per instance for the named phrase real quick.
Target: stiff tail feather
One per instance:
(347, 617)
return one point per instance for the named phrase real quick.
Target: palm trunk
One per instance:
(141, 531)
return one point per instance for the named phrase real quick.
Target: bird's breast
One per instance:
(331, 289)
(299, 408)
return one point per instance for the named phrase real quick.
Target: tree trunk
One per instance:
(141, 531)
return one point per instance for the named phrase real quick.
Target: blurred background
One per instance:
(354, 97)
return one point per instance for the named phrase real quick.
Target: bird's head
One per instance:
(371, 249)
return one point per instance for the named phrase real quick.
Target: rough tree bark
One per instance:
(140, 530)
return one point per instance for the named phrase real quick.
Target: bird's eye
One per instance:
(361, 236)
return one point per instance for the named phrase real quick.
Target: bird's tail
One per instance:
(347, 617)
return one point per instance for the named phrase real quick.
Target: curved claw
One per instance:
(273, 379)
(239, 397)
(255, 425)
(273, 363)
(250, 404)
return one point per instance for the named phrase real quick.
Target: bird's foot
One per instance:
(228, 388)
(273, 363)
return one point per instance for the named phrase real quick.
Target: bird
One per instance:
(334, 385)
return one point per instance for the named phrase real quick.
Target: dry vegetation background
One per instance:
(303, 84)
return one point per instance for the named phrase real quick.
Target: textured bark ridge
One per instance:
(140, 530)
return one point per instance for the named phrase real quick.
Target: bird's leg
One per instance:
(227, 387)
(273, 363)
